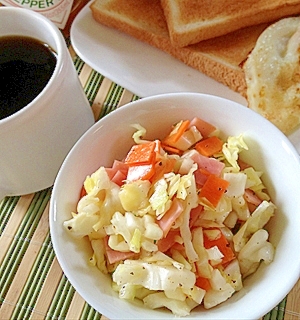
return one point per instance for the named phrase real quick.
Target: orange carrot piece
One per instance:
(222, 244)
(209, 146)
(171, 150)
(203, 283)
(164, 165)
(141, 154)
(173, 137)
(213, 189)
(204, 127)
(140, 172)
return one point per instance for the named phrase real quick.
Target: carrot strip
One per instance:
(223, 245)
(174, 136)
(213, 189)
(171, 150)
(141, 154)
(203, 283)
(164, 165)
(209, 146)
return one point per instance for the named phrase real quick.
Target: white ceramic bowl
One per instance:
(110, 138)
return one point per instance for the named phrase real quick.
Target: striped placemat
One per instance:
(32, 284)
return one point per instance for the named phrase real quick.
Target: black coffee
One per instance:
(26, 65)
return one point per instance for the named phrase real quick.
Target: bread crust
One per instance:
(192, 21)
(219, 58)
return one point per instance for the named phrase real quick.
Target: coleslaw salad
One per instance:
(179, 222)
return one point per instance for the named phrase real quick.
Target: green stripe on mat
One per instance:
(35, 281)
(78, 63)
(90, 313)
(7, 206)
(93, 84)
(112, 99)
(62, 300)
(21, 241)
(278, 312)
(135, 97)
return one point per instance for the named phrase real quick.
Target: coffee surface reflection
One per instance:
(26, 66)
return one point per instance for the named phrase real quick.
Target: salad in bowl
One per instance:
(175, 205)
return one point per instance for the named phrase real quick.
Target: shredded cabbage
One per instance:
(159, 300)
(220, 290)
(154, 276)
(158, 256)
(159, 200)
(257, 249)
(139, 134)
(256, 221)
(237, 183)
(232, 148)
(98, 257)
(130, 233)
(191, 202)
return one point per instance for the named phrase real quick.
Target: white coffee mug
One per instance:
(35, 140)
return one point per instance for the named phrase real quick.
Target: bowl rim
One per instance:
(135, 104)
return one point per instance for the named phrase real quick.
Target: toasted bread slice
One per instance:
(219, 58)
(192, 21)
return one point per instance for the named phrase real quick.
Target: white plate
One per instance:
(139, 67)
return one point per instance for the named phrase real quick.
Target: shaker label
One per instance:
(57, 11)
